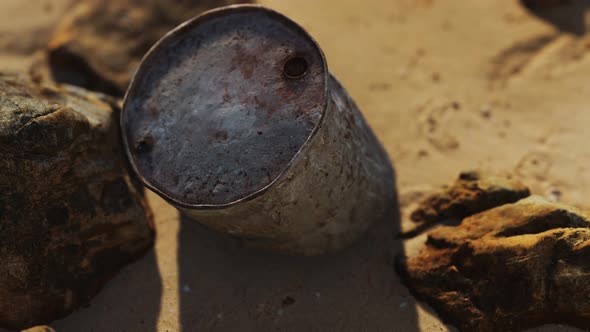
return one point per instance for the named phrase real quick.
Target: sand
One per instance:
(446, 85)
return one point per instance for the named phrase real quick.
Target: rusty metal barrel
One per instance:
(234, 118)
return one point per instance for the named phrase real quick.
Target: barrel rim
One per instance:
(193, 22)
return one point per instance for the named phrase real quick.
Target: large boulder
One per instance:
(70, 215)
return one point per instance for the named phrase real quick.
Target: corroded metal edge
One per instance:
(162, 43)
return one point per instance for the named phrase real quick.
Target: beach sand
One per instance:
(447, 86)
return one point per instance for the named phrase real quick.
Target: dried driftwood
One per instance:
(70, 215)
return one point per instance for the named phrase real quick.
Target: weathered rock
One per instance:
(40, 328)
(99, 43)
(512, 267)
(471, 193)
(70, 215)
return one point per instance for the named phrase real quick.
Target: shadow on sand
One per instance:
(567, 15)
(130, 302)
(225, 287)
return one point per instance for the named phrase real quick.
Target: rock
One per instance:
(70, 215)
(99, 43)
(40, 328)
(512, 267)
(471, 193)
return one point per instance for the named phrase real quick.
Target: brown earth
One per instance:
(447, 86)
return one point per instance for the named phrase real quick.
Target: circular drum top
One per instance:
(222, 104)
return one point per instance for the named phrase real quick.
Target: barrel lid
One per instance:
(221, 106)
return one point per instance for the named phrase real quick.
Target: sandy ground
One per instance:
(447, 86)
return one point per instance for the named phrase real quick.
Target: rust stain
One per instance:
(245, 62)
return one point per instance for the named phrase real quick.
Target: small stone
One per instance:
(554, 195)
(486, 111)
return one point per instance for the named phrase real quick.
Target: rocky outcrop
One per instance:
(471, 193)
(508, 268)
(99, 43)
(70, 215)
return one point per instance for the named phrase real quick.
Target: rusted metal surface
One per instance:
(234, 118)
